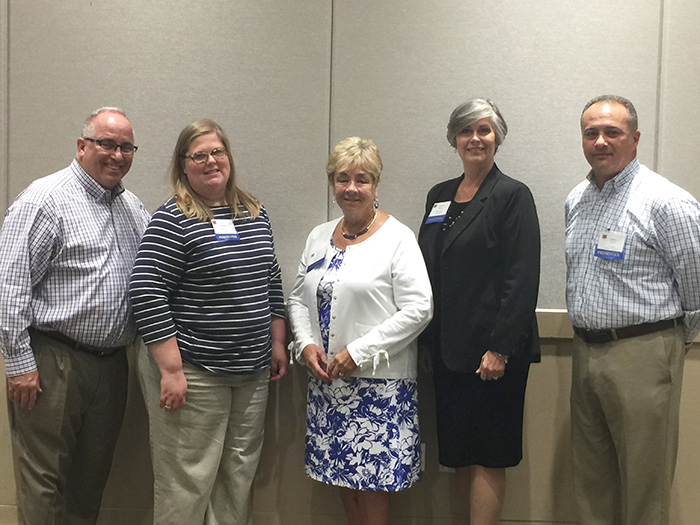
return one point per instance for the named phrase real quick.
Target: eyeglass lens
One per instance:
(111, 145)
(202, 156)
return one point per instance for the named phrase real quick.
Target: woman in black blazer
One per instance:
(481, 241)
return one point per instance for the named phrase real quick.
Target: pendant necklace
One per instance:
(361, 232)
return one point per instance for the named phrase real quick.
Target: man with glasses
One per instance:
(67, 247)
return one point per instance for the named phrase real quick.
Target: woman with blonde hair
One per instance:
(207, 296)
(360, 298)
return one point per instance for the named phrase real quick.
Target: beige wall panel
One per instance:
(263, 70)
(401, 67)
(680, 114)
(7, 479)
(679, 96)
(259, 68)
(685, 507)
(539, 489)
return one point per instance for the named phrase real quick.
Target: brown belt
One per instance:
(614, 334)
(75, 345)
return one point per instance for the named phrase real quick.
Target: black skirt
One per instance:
(480, 422)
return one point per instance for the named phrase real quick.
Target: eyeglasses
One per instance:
(111, 145)
(202, 156)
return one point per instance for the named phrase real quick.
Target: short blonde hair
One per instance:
(186, 198)
(355, 152)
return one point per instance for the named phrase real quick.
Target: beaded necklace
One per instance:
(451, 218)
(352, 237)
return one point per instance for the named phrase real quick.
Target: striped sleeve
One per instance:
(276, 293)
(159, 267)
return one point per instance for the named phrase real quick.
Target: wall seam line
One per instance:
(329, 196)
(659, 87)
(5, 109)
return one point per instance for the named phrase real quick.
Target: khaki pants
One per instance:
(63, 447)
(625, 399)
(206, 454)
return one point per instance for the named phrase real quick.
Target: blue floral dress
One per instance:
(361, 433)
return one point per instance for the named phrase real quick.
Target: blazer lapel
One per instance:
(430, 234)
(474, 208)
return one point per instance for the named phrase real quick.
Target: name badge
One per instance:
(437, 214)
(225, 230)
(316, 264)
(611, 245)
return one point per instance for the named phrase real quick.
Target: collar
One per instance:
(93, 188)
(621, 179)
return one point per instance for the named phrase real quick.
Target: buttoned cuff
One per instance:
(20, 364)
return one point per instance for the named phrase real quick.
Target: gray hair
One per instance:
(89, 128)
(472, 110)
(632, 122)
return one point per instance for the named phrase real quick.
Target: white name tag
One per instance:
(437, 214)
(225, 230)
(611, 245)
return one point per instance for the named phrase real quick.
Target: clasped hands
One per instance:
(316, 360)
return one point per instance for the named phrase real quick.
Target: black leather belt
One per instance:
(597, 337)
(75, 345)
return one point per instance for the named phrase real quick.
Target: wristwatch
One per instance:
(502, 357)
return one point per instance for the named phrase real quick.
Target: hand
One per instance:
(279, 363)
(173, 388)
(492, 366)
(316, 362)
(342, 365)
(23, 390)
(173, 383)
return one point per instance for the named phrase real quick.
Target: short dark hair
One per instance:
(631, 112)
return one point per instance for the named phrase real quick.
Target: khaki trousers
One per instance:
(625, 400)
(206, 454)
(63, 447)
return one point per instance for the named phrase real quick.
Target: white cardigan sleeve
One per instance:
(298, 307)
(413, 298)
(299, 315)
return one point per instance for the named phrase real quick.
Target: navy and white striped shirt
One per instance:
(67, 247)
(215, 297)
(659, 276)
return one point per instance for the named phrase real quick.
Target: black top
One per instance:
(485, 272)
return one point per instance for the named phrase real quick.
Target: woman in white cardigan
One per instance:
(361, 297)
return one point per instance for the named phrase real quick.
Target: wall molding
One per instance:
(554, 323)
